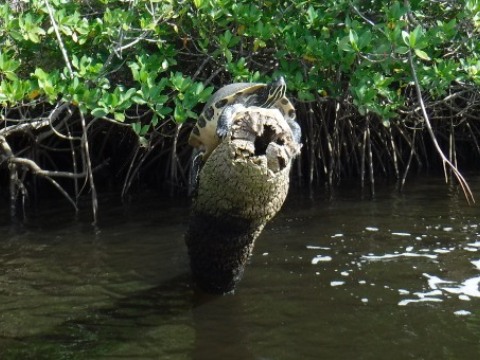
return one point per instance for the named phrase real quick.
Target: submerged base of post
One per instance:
(219, 249)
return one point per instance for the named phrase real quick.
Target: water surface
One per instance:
(346, 277)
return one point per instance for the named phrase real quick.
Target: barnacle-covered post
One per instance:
(241, 186)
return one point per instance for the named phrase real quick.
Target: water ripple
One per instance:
(321, 258)
(399, 255)
(465, 290)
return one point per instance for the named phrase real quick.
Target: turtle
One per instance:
(207, 134)
(215, 119)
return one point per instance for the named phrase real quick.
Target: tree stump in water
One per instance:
(241, 186)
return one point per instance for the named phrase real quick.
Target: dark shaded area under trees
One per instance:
(101, 95)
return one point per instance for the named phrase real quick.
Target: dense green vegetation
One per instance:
(381, 87)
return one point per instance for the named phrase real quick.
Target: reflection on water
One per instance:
(342, 278)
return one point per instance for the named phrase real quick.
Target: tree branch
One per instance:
(446, 162)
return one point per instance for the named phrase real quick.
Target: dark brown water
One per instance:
(395, 277)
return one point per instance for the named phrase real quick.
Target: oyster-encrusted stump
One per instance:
(241, 186)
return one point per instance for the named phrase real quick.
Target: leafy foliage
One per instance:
(158, 54)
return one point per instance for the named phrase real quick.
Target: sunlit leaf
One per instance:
(199, 3)
(406, 37)
(422, 54)
(119, 116)
(99, 112)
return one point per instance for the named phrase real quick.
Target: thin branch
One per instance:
(47, 175)
(88, 163)
(14, 162)
(59, 38)
(446, 162)
(20, 128)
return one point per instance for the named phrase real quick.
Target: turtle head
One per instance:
(278, 85)
(268, 95)
(276, 90)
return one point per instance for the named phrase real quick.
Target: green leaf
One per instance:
(205, 94)
(365, 39)
(179, 114)
(422, 55)
(406, 37)
(312, 14)
(11, 76)
(344, 45)
(228, 55)
(99, 112)
(154, 120)
(40, 74)
(144, 130)
(258, 44)
(416, 36)
(137, 127)
(353, 37)
(130, 92)
(401, 50)
(165, 64)
(199, 3)
(137, 99)
(119, 116)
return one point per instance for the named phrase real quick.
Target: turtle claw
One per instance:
(225, 120)
(223, 132)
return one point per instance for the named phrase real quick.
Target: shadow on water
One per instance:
(100, 331)
(155, 323)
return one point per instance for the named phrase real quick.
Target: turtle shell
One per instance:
(272, 95)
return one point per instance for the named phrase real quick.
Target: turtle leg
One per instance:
(226, 119)
(197, 163)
